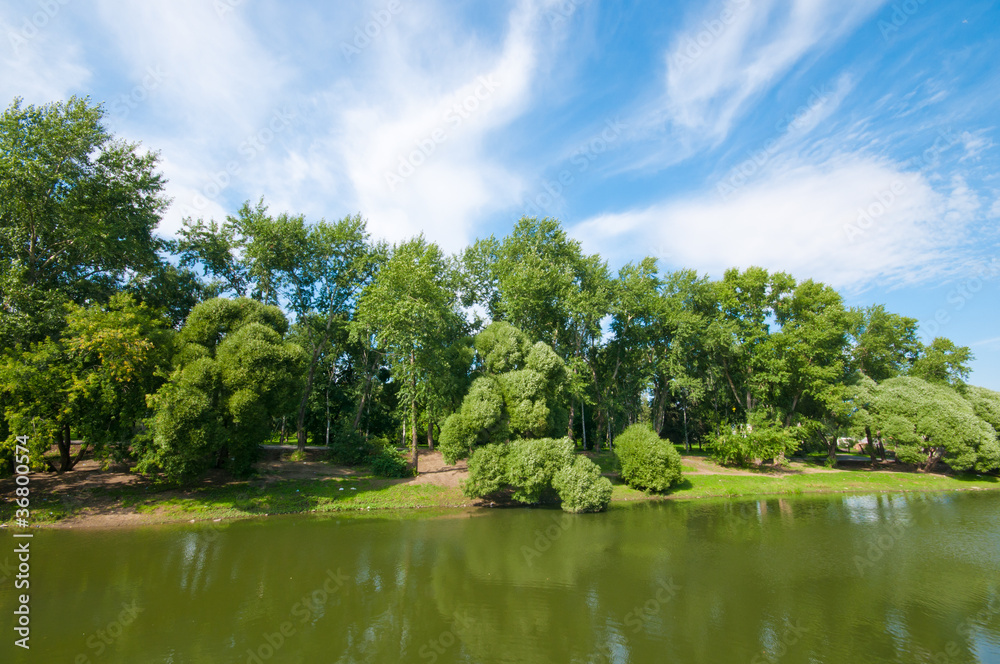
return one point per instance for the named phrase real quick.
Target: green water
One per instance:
(900, 578)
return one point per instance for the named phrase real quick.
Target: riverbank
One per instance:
(103, 499)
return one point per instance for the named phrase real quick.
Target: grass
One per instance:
(848, 481)
(163, 502)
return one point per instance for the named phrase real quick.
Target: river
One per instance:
(889, 578)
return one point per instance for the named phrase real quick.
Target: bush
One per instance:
(752, 444)
(349, 448)
(387, 462)
(487, 472)
(529, 470)
(581, 486)
(531, 465)
(646, 461)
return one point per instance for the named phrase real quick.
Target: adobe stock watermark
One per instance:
(883, 200)
(544, 539)
(960, 295)
(952, 651)
(445, 640)
(249, 149)
(563, 11)
(104, 638)
(32, 25)
(458, 111)
(304, 610)
(122, 105)
(692, 48)
(223, 7)
(901, 14)
(791, 635)
(365, 35)
(537, 204)
(640, 615)
(739, 175)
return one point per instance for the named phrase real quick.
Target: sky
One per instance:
(853, 142)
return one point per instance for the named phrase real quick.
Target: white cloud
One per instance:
(414, 153)
(850, 221)
(39, 60)
(740, 49)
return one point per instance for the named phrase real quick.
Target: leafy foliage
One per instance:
(581, 487)
(530, 470)
(234, 372)
(387, 462)
(929, 423)
(518, 396)
(750, 444)
(647, 461)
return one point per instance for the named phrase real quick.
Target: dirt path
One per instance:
(433, 470)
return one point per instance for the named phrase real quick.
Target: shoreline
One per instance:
(136, 506)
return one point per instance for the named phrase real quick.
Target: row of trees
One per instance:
(187, 353)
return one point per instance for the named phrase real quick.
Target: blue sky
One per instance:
(849, 141)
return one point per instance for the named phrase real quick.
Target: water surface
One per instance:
(891, 578)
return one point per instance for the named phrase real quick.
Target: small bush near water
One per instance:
(529, 471)
(647, 462)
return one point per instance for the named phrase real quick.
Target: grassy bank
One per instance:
(139, 504)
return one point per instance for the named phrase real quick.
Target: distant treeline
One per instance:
(188, 353)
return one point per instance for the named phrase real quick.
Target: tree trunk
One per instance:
(79, 455)
(583, 424)
(569, 429)
(413, 415)
(687, 443)
(430, 436)
(63, 441)
(300, 419)
(871, 444)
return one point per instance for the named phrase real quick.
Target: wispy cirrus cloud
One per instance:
(850, 221)
(731, 53)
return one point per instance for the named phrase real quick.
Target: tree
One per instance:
(741, 335)
(943, 362)
(234, 373)
(77, 213)
(539, 280)
(411, 312)
(647, 461)
(882, 344)
(518, 394)
(93, 380)
(811, 343)
(931, 422)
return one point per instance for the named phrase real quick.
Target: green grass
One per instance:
(164, 502)
(860, 481)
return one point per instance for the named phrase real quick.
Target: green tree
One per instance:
(77, 213)
(93, 380)
(931, 422)
(943, 362)
(518, 395)
(741, 336)
(882, 344)
(410, 309)
(647, 461)
(234, 373)
(539, 280)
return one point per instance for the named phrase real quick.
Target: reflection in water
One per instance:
(889, 578)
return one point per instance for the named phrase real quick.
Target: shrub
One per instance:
(528, 470)
(487, 472)
(581, 486)
(531, 465)
(751, 444)
(647, 462)
(387, 462)
(348, 447)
